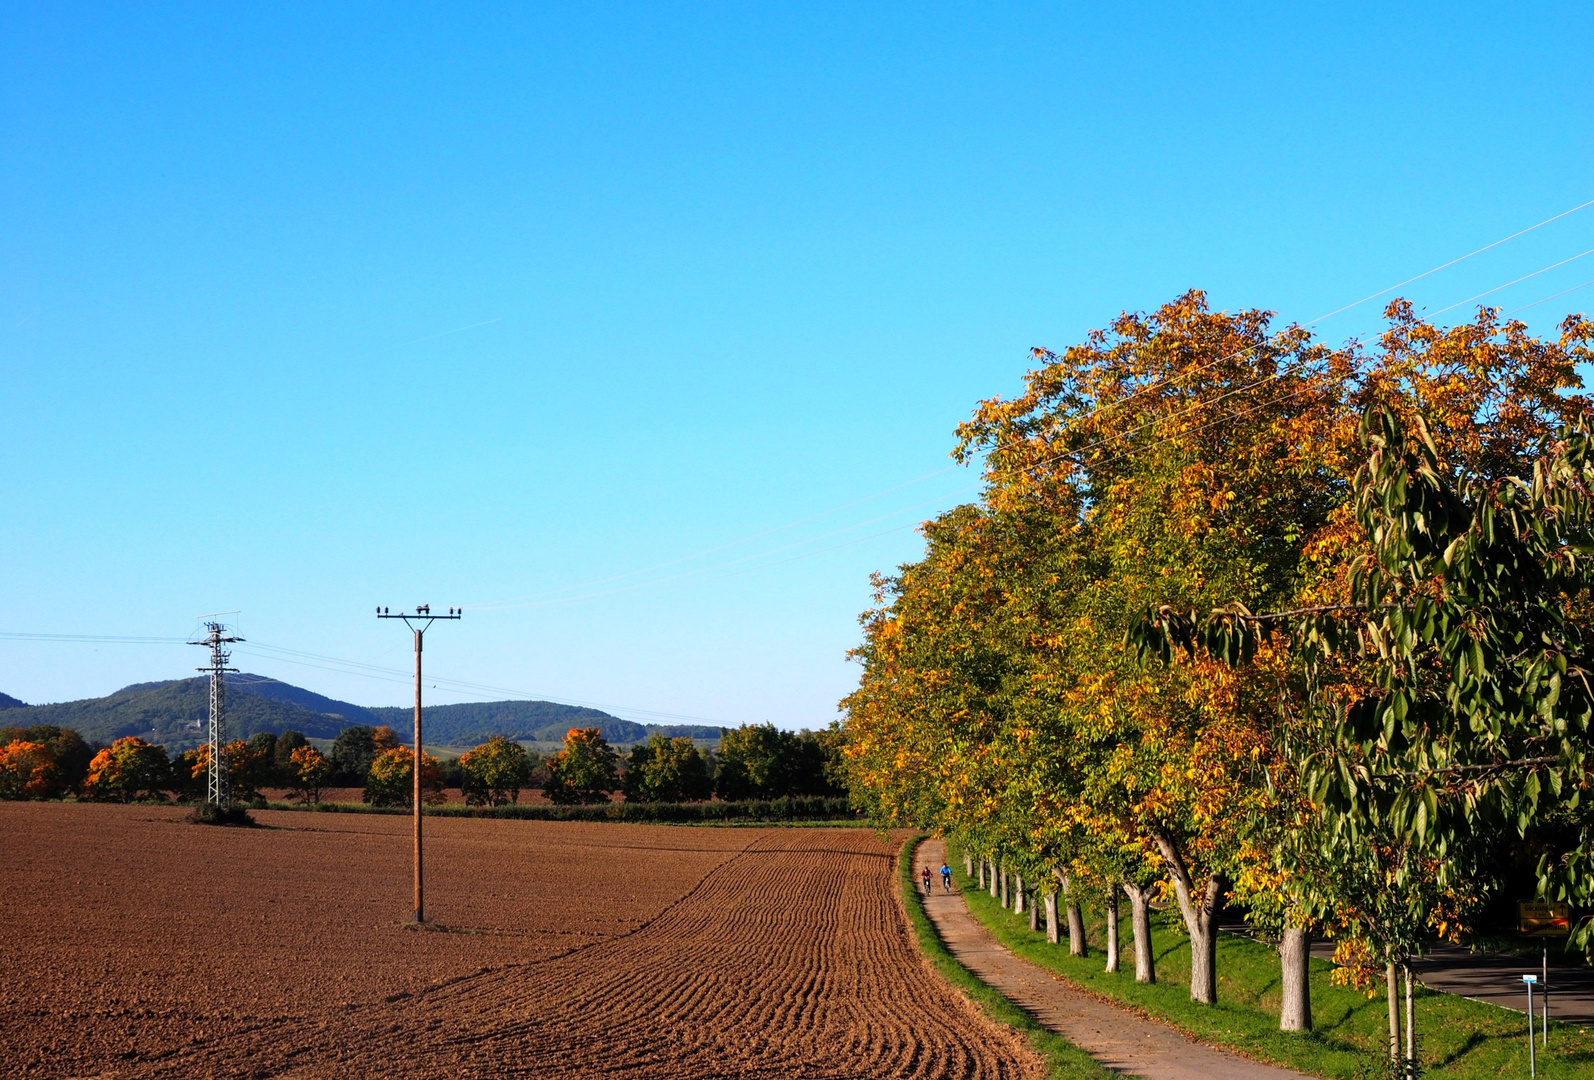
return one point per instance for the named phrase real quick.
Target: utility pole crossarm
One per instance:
(419, 621)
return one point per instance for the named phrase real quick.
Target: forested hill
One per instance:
(547, 721)
(173, 714)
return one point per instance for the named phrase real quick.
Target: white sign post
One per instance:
(1533, 1065)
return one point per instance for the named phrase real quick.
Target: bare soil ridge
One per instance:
(149, 948)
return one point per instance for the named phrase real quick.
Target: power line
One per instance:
(376, 671)
(109, 639)
(1547, 299)
(1507, 285)
(530, 599)
(1453, 262)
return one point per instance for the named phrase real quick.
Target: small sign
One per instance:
(1544, 920)
(1530, 978)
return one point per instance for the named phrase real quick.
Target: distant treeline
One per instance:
(752, 764)
(821, 808)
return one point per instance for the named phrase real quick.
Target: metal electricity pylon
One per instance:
(216, 787)
(418, 621)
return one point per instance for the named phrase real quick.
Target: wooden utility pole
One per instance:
(418, 621)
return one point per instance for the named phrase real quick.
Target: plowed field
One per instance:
(139, 946)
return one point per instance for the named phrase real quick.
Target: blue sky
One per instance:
(305, 311)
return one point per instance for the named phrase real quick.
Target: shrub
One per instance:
(211, 814)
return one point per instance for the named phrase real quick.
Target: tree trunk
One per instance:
(1051, 917)
(991, 880)
(982, 873)
(1034, 916)
(1295, 958)
(1018, 894)
(968, 864)
(1140, 926)
(1076, 920)
(1394, 1011)
(1001, 878)
(1200, 912)
(1112, 927)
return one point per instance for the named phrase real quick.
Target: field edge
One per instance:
(1064, 1060)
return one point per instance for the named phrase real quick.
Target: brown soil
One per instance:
(140, 946)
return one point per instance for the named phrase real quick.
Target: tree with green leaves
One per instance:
(586, 770)
(1447, 707)
(493, 773)
(391, 779)
(666, 770)
(356, 748)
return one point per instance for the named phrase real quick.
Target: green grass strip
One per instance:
(1457, 1039)
(1064, 1060)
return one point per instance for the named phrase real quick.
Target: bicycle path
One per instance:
(1120, 1039)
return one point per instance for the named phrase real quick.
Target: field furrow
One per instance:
(562, 951)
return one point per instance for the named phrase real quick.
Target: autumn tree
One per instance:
(129, 769)
(249, 769)
(287, 743)
(391, 779)
(666, 770)
(1462, 476)
(306, 771)
(28, 771)
(66, 748)
(585, 771)
(493, 773)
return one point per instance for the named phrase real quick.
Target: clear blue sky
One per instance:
(309, 308)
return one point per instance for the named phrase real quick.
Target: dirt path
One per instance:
(1120, 1039)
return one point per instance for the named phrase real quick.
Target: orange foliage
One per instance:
(28, 771)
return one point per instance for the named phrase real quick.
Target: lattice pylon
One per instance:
(217, 791)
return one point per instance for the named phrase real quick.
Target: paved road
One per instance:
(1120, 1039)
(1496, 978)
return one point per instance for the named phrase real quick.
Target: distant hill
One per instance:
(545, 721)
(173, 714)
(288, 694)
